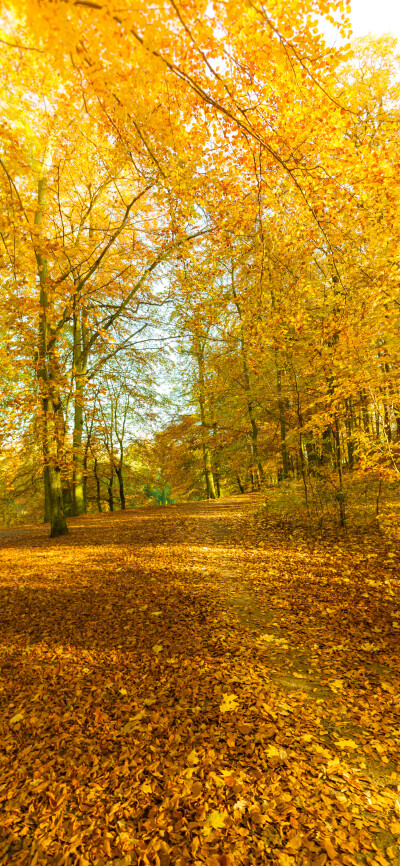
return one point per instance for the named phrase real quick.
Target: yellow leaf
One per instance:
(217, 819)
(157, 648)
(132, 723)
(273, 751)
(295, 842)
(336, 685)
(192, 758)
(346, 744)
(15, 719)
(319, 750)
(369, 647)
(327, 844)
(229, 703)
(284, 859)
(388, 688)
(195, 844)
(123, 692)
(333, 765)
(395, 828)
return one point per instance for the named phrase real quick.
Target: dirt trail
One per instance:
(187, 685)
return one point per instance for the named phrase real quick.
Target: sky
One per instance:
(376, 17)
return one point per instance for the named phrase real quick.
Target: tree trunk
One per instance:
(216, 470)
(85, 460)
(47, 494)
(98, 497)
(57, 518)
(121, 487)
(257, 471)
(80, 367)
(202, 403)
(240, 485)
(77, 472)
(110, 492)
(350, 432)
(365, 413)
(282, 420)
(46, 374)
(340, 496)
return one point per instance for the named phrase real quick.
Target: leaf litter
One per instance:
(254, 719)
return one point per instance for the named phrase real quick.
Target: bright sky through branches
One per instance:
(375, 17)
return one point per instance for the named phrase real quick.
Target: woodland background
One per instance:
(199, 259)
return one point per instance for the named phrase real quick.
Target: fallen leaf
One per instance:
(229, 703)
(18, 718)
(217, 819)
(346, 744)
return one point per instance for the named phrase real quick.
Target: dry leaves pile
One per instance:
(172, 696)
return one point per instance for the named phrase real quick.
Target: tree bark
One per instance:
(340, 496)
(98, 497)
(202, 404)
(282, 419)
(257, 470)
(46, 374)
(110, 491)
(121, 487)
(350, 432)
(58, 523)
(80, 367)
(47, 494)
(240, 485)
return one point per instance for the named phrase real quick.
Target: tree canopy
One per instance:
(199, 208)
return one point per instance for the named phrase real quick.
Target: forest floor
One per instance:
(193, 685)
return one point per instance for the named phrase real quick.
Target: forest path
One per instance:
(191, 684)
